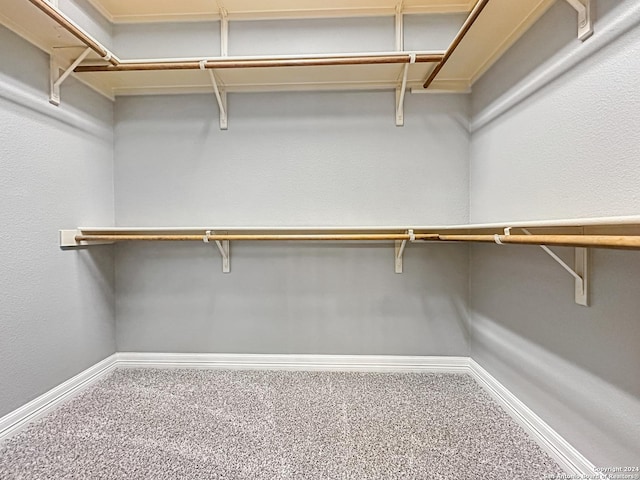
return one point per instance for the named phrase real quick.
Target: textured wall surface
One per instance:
(89, 19)
(56, 171)
(279, 37)
(570, 150)
(167, 39)
(576, 367)
(271, 37)
(292, 298)
(291, 159)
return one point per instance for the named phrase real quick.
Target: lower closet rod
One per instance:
(601, 241)
(213, 237)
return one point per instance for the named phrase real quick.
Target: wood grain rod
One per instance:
(466, 26)
(259, 63)
(73, 29)
(213, 237)
(601, 241)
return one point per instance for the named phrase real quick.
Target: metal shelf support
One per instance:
(399, 28)
(223, 248)
(224, 32)
(221, 96)
(399, 21)
(579, 272)
(55, 81)
(585, 20)
(399, 250)
(400, 91)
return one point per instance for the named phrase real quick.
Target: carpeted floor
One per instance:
(208, 424)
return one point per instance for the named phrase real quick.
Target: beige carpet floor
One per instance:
(209, 424)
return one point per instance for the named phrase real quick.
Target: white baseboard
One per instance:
(362, 363)
(567, 457)
(557, 447)
(36, 408)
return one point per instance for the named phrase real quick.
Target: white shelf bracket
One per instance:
(400, 91)
(55, 81)
(221, 96)
(579, 272)
(585, 20)
(399, 250)
(224, 32)
(399, 28)
(223, 248)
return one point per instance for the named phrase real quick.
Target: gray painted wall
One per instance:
(270, 37)
(89, 19)
(571, 150)
(56, 171)
(576, 367)
(167, 40)
(273, 37)
(288, 298)
(291, 159)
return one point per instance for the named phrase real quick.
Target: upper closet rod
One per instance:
(266, 62)
(473, 16)
(75, 30)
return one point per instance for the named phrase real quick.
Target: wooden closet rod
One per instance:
(473, 16)
(74, 30)
(601, 241)
(257, 63)
(220, 237)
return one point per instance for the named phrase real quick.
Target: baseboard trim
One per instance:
(567, 457)
(364, 363)
(556, 446)
(36, 408)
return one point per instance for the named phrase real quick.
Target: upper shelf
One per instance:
(496, 28)
(614, 225)
(138, 11)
